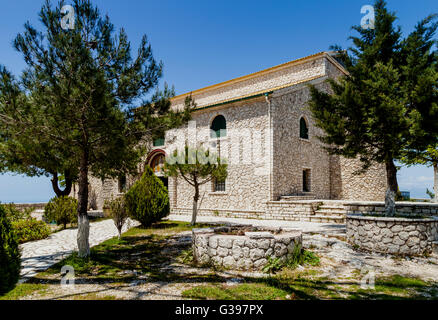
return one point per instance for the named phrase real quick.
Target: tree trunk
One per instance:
(392, 187)
(83, 221)
(195, 205)
(435, 182)
(55, 186)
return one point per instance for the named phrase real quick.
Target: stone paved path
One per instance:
(305, 227)
(39, 255)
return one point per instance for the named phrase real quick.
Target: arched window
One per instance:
(218, 127)
(304, 130)
(157, 163)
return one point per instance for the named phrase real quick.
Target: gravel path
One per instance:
(39, 255)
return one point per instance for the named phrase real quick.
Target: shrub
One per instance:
(15, 214)
(299, 256)
(118, 212)
(30, 230)
(10, 262)
(147, 200)
(62, 210)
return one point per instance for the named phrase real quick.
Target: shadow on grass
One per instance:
(145, 260)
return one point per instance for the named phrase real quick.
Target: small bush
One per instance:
(15, 214)
(118, 212)
(10, 262)
(30, 230)
(147, 200)
(62, 210)
(298, 257)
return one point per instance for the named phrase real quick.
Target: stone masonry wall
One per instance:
(293, 154)
(399, 236)
(247, 184)
(347, 185)
(402, 207)
(247, 252)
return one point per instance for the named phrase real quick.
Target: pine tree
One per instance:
(83, 101)
(197, 167)
(388, 101)
(428, 157)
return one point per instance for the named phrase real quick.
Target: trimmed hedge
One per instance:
(10, 262)
(147, 200)
(62, 210)
(30, 230)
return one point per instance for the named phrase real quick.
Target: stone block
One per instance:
(225, 242)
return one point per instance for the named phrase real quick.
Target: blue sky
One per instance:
(206, 42)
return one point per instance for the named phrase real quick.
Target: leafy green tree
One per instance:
(62, 210)
(430, 194)
(388, 101)
(197, 167)
(428, 157)
(78, 101)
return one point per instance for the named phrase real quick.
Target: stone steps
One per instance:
(324, 219)
(297, 198)
(327, 212)
(332, 207)
(330, 213)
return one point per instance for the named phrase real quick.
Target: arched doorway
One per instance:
(156, 160)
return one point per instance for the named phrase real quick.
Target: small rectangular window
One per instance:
(122, 184)
(159, 142)
(218, 186)
(306, 180)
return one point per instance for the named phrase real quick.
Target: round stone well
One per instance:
(393, 235)
(243, 247)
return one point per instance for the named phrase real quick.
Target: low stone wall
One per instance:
(411, 208)
(276, 210)
(398, 236)
(228, 213)
(213, 246)
(36, 206)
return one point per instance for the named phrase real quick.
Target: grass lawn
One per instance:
(158, 256)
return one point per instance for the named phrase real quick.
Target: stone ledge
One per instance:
(358, 216)
(259, 235)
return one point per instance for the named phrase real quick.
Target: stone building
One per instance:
(262, 125)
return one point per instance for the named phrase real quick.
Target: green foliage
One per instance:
(245, 291)
(85, 100)
(147, 200)
(10, 262)
(186, 256)
(62, 210)
(430, 193)
(388, 102)
(298, 257)
(196, 166)
(30, 230)
(15, 214)
(118, 212)
(273, 265)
